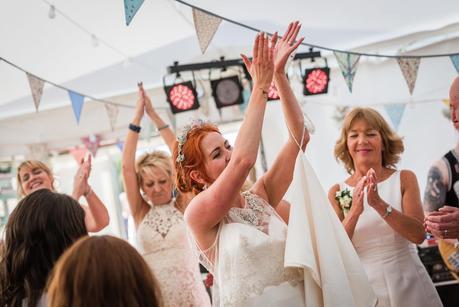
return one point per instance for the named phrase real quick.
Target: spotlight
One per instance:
(227, 91)
(52, 12)
(182, 97)
(273, 94)
(315, 81)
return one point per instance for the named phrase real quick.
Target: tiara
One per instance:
(181, 139)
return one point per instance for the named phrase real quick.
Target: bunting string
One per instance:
(246, 26)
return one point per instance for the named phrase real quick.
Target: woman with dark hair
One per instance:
(33, 175)
(380, 209)
(42, 226)
(118, 278)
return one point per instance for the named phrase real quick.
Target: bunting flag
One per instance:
(409, 67)
(77, 104)
(348, 64)
(455, 60)
(206, 25)
(395, 112)
(38, 152)
(78, 153)
(112, 112)
(36, 86)
(445, 102)
(120, 145)
(92, 143)
(339, 114)
(446, 113)
(130, 9)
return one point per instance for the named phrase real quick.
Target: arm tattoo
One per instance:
(435, 194)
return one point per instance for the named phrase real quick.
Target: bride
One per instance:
(241, 236)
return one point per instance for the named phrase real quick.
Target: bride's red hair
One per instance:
(193, 159)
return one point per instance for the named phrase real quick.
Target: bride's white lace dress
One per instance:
(247, 258)
(162, 241)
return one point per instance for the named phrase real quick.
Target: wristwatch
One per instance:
(388, 211)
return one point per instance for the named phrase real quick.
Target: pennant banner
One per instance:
(206, 25)
(395, 112)
(92, 143)
(455, 60)
(36, 86)
(445, 102)
(120, 145)
(348, 64)
(409, 69)
(130, 9)
(112, 112)
(38, 152)
(78, 154)
(77, 104)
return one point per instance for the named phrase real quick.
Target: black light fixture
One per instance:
(316, 80)
(227, 91)
(182, 97)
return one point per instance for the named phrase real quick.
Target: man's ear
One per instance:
(196, 176)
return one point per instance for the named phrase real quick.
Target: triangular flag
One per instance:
(455, 60)
(112, 112)
(92, 143)
(206, 25)
(445, 102)
(77, 104)
(39, 152)
(130, 9)
(120, 145)
(348, 64)
(395, 112)
(78, 153)
(36, 86)
(409, 67)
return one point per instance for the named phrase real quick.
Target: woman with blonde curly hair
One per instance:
(33, 175)
(380, 209)
(158, 215)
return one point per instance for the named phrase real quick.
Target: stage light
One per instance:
(227, 91)
(315, 81)
(182, 97)
(273, 94)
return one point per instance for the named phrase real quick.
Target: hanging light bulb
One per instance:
(52, 12)
(94, 40)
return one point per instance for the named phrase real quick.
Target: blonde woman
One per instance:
(34, 175)
(158, 215)
(385, 216)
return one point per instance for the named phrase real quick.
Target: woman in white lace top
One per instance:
(158, 215)
(241, 237)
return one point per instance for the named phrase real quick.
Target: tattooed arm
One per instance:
(437, 186)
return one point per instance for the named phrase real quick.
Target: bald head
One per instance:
(454, 102)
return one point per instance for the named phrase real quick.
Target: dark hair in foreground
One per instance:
(42, 226)
(102, 271)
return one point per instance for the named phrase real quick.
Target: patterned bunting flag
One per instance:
(112, 112)
(36, 86)
(77, 104)
(120, 145)
(38, 152)
(92, 143)
(395, 112)
(78, 153)
(348, 64)
(206, 25)
(455, 60)
(409, 67)
(130, 9)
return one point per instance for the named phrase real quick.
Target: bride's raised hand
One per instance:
(261, 68)
(286, 45)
